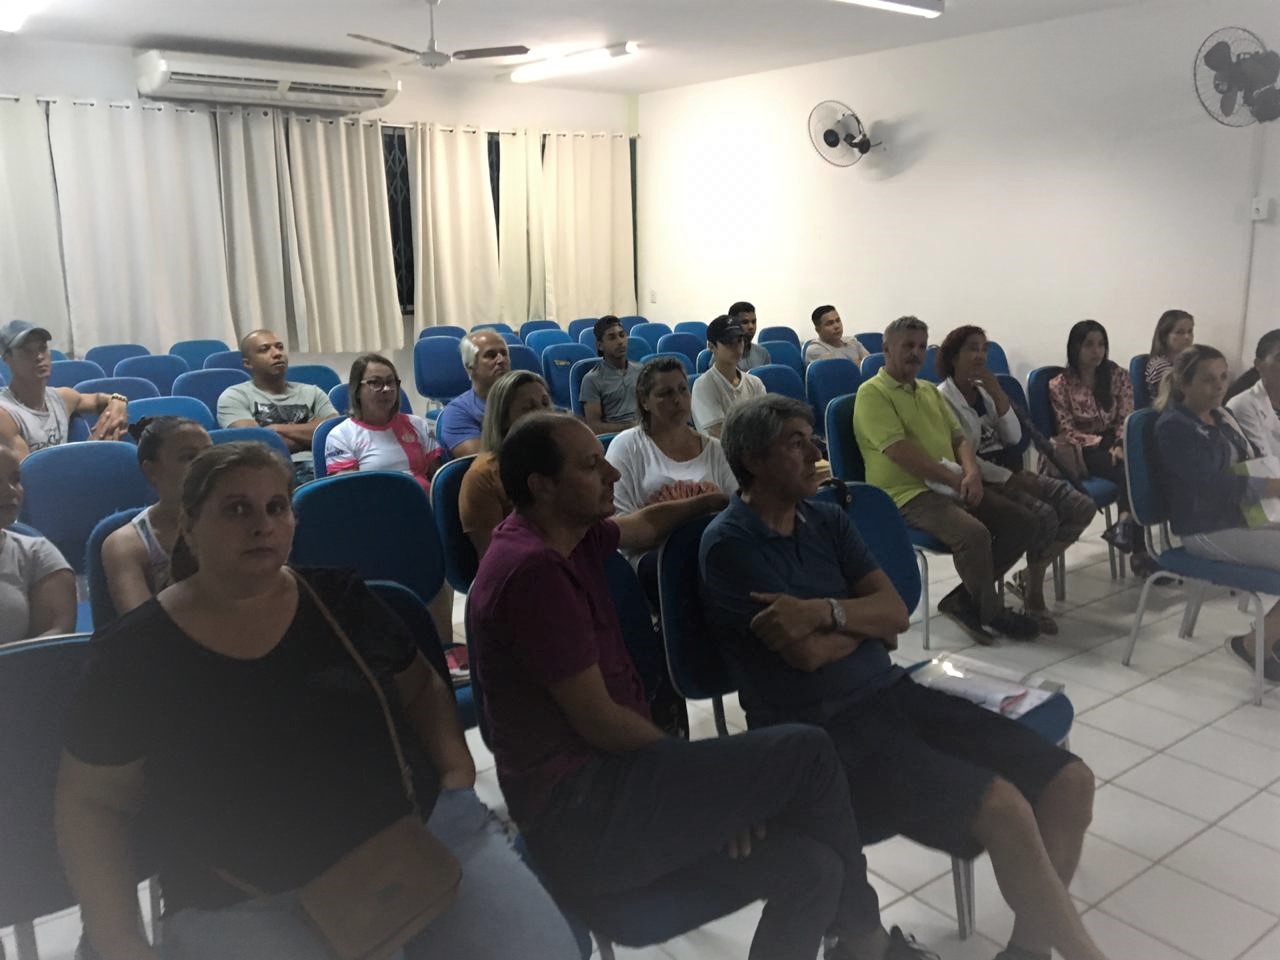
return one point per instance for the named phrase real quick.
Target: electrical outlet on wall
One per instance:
(1261, 209)
(653, 296)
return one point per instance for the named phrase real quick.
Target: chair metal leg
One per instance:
(605, 947)
(1111, 551)
(1137, 617)
(717, 707)
(1192, 613)
(25, 936)
(962, 878)
(1060, 578)
(923, 560)
(1259, 647)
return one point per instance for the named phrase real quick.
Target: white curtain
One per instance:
(455, 237)
(338, 184)
(522, 274)
(31, 282)
(587, 226)
(141, 223)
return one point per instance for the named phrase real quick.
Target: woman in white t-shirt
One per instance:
(377, 436)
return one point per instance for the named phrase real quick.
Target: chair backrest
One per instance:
(195, 351)
(512, 339)
(872, 340)
(1038, 404)
(443, 330)
(778, 378)
(5, 373)
(500, 327)
(67, 373)
(882, 528)
(340, 397)
(188, 407)
(69, 488)
(997, 362)
(57, 355)
(653, 332)
(696, 327)
(100, 602)
(539, 340)
(703, 363)
(1142, 466)
(631, 321)
(415, 615)
(637, 349)
(685, 343)
(684, 361)
(438, 373)
(25, 529)
(697, 669)
(317, 374)
(529, 326)
(1138, 375)
(871, 365)
(207, 385)
(826, 379)
(1017, 396)
(522, 358)
(251, 435)
(930, 369)
(577, 326)
(109, 354)
(460, 560)
(557, 364)
(635, 617)
(842, 445)
(38, 680)
(135, 388)
(577, 373)
(317, 444)
(224, 360)
(587, 337)
(160, 368)
(778, 335)
(605, 439)
(787, 354)
(396, 537)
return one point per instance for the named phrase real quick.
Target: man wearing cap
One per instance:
(753, 354)
(609, 390)
(723, 386)
(34, 415)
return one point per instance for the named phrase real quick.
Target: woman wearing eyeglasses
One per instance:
(377, 436)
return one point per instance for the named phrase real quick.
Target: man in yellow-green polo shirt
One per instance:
(915, 450)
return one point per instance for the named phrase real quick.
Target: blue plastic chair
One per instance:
(577, 373)
(824, 380)
(251, 435)
(557, 365)
(194, 352)
(605, 439)
(522, 358)
(685, 343)
(539, 340)
(57, 355)
(631, 321)
(529, 326)
(443, 330)
(340, 397)
(107, 355)
(1142, 468)
(188, 407)
(160, 368)
(460, 560)
(871, 365)
(512, 339)
(317, 445)
(778, 335)
(317, 374)
(787, 354)
(67, 373)
(135, 388)
(872, 341)
(207, 386)
(69, 488)
(577, 326)
(1138, 376)
(653, 332)
(1017, 396)
(5, 373)
(438, 373)
(695, 327)
(684, 361)
(703, 362)
(930, 369)
(778, 378)
(587, 337)
(637, 349)
(997, 362)
(224, 360)
(100, 602)
(635, 617)
(500, 327)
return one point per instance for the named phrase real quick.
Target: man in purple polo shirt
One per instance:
(608, 804)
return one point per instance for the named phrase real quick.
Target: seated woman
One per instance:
(1199, 442)
(37, 586)
(252, 706)
(136, 558)
(482, 503)
(377, 436)
(1175, 331)
(991, 425)
(1255, 396)
(1091, 400)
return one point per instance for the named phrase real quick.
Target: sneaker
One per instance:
(1014, 625)
(957, 606)
(1270, 663)
(1144, 566)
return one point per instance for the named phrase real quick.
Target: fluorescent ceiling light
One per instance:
(917, 8)
(14, 13)
(583, 62)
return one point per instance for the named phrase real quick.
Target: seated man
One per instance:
(34, 415)
(805, 619)
(609, 390)
(831, 341)
(753, 354)
(724, 384)
(609, 805)
(485, 358)
(293, 410)
(916, 451)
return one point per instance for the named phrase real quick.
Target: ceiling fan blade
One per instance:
(385, 43)
(1218, 58)
(1229, 101)
(480, 53)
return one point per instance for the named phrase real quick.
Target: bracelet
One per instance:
(118, 396)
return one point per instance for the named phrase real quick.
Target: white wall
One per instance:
(1031, 178)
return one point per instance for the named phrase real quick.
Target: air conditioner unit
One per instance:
(163, 75)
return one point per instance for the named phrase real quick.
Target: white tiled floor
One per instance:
(1183, 857)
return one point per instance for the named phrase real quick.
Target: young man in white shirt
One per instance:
(723, 386)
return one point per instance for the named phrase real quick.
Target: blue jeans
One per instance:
(502, 911)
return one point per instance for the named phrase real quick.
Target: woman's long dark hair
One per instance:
(1268, 345)
(1106, 370)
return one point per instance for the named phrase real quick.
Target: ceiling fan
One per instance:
(431, 57)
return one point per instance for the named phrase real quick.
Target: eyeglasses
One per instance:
(380, 386)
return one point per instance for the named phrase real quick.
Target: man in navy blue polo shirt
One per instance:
(806, 620)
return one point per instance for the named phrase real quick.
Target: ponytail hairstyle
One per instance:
(1106, 370)
(203, 476)
(1268, 345)
(1164, 326)
(151, 434)
(1173, 388)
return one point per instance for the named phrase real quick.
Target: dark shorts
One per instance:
(920, 763)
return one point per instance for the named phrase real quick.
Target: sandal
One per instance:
(1048, 625)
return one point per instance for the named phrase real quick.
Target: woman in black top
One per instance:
(226, 726)
(1199, 443)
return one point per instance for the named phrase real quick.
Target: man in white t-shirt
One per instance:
(723, 386)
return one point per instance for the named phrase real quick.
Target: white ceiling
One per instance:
(683, 41)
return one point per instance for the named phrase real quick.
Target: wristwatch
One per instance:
(837, 613)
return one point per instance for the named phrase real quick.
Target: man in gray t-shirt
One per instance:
(609, 391)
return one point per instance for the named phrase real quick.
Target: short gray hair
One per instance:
(903, 325)
(469, 350)
(752, 427)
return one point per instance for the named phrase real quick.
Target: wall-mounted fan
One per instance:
(1235, 77)
(431, 57)
(837, 134)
